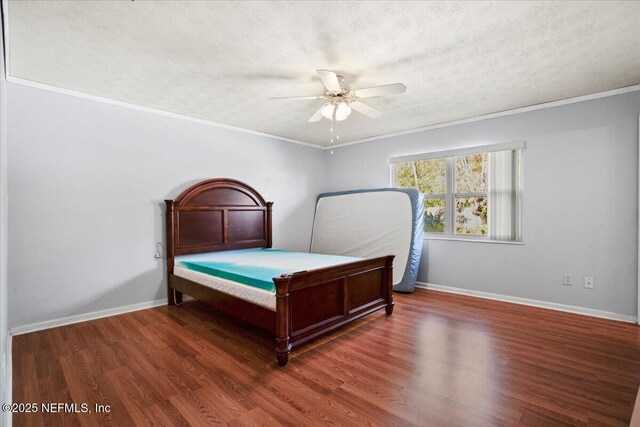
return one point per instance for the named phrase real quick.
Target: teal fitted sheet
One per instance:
(257, 267)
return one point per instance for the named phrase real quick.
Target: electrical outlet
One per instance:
(158, 254)
(566, 279)
(588, 282)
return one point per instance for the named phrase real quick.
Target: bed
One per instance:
(215, 232)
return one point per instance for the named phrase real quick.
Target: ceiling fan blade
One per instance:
(297, 97)
(317, 116)
(380, 90)
(330, 80)
(365, 109)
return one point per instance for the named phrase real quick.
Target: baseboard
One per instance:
(54, 323)
(7, 383)
(531, 302)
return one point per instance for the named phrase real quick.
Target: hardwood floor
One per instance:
(439, 360)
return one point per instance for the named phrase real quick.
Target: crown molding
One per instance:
(82, 95)
(68, 92)
(520, 110)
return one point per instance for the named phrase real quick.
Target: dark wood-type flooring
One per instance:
(439, 360)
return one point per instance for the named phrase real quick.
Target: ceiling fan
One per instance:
(341, 100)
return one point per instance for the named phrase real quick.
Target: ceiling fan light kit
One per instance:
(342, 110)
(336, 111)
(327, 110)
(341, 100)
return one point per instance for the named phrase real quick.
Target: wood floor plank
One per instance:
(256, 417)
(440, 360)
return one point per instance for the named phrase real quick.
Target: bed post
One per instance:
(269, 232)
(174, 297)
(389, 278)
(283, 327)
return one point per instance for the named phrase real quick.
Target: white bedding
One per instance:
(252, 294)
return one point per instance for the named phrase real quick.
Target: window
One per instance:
(469, 193)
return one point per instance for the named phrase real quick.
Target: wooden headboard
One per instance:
(217, 215)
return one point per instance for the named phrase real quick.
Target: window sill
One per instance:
(471, 240)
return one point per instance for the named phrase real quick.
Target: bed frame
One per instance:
(224, 214)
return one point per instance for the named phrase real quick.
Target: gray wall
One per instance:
(5, 383)
(580, 203)
(87, 180)
(86, 184)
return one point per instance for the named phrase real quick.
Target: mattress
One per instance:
(372, 223)
(248, 273)
(266, 299)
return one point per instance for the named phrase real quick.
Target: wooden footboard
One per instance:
(310, 303)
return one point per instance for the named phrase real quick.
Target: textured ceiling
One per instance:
(220, 61)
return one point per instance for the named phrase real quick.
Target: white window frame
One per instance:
(450, 195)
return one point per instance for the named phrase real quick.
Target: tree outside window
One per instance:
(474, 195)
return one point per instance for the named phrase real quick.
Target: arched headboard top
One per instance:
(223, 191)
(216, 215)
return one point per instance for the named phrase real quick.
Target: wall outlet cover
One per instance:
(588, 282)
